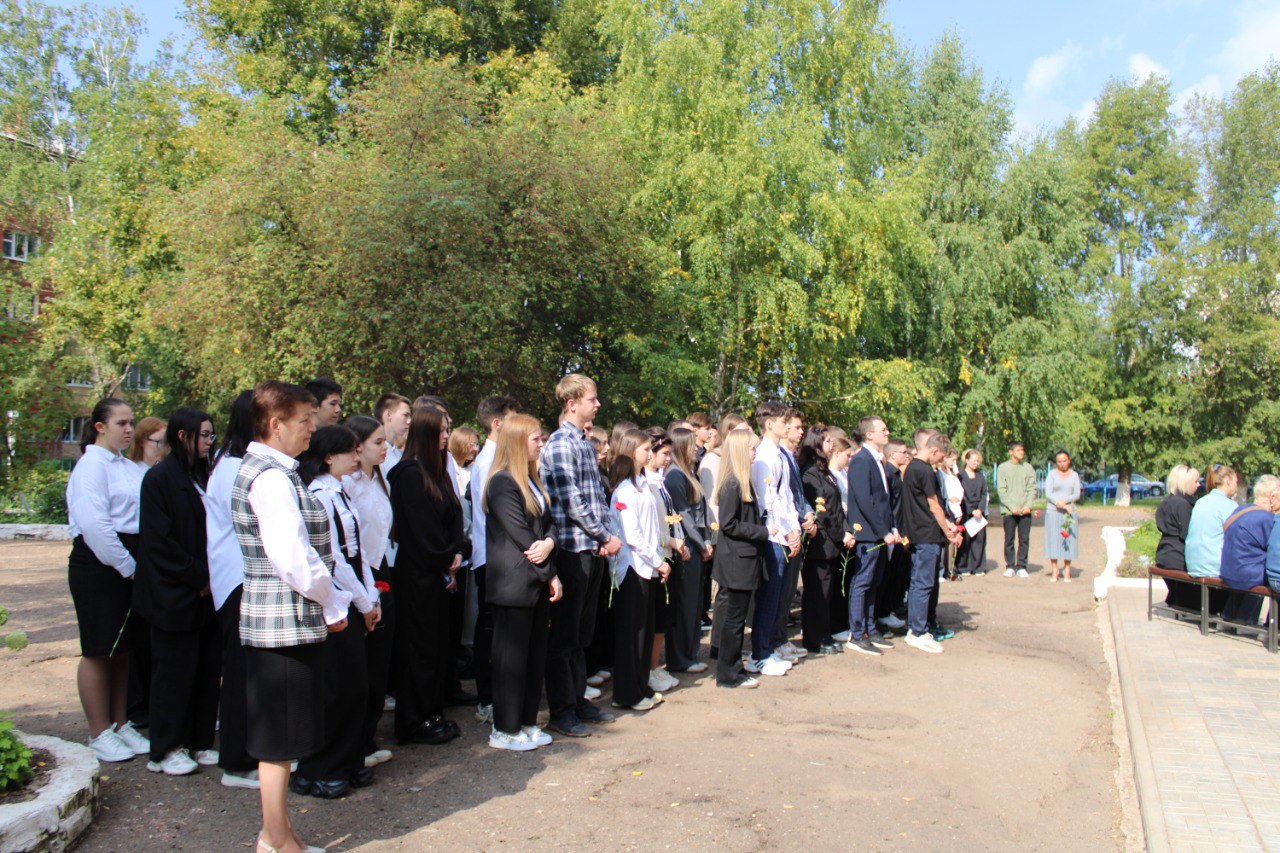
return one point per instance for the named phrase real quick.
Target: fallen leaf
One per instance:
(637, 772)
(907, 799)
(788, 807)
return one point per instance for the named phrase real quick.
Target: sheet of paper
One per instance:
(973, 525)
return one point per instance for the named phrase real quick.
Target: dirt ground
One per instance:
(1001, 743)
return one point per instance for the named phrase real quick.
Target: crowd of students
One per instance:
(312, 573)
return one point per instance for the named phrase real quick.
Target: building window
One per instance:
(19, 246)
(74, 429)
(137, 379)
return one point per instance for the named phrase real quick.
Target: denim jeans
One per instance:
(924, 577)
(768, 600)
(868, 570)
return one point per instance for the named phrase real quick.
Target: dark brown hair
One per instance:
(276, 399)
(423, 447)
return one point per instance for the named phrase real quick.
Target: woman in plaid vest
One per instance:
(290, 602)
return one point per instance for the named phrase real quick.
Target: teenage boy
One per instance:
(580, 510)
(770, 481)
(1016, 484)
(790, 446)
(927, 530)
(490, 414)
(874, 531)
(897, 572)
(393, 412)
(329, 395)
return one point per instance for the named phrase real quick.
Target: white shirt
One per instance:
(842, 480)
(357, 580)
(707, 474)
(770, 478)
(879, 457)
(657, 482)
(394, 455)
(640, 527)
(955, 493)
(286, 541)
(102, 500)
(480, 479)
(373, 507)
(226, 560)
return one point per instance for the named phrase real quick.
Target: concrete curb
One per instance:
(35, 532)
(1144, 774)
(64, 807)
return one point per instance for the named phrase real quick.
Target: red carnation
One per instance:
(1066, 534)
(619, 506)
(382, 586)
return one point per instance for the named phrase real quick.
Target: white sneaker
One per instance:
(207, 757)
(780, 659)
(1022, 573)
(247, 779)
(647, 704)
(660, 681)
(133, 740)
(752, 665)
(484, 713)
(795, 651)
(843, 636)
(378, 756)
(536, 736)
(515, 743)
(924, 642)
(892, 622)
(109, 747)
(942, 577)
(177, 763)
(389, 704)
(749, 683)
(773, 666)
(1008, 573)
(591, 693)
(697, 667)
(781, 653)
(599, 678)
(671, 680)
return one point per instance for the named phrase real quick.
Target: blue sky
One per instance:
(1053, 57)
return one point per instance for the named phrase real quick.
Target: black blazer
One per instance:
(869, 501)
(828, 544)
(739, 562)
(509, 530)
(428, 530)
(170, 589)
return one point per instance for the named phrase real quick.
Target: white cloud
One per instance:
(1142, 66)
(1046, 71)
(1210, 86)
(1255, 43)
(1084, 115)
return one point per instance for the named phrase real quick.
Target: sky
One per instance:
(1054, 58)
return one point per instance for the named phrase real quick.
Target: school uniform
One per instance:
(771, 484)
(518, 594)
(636, 516)
(821, 555)
(739, 569)
(346, 681)
(685, 584)
(482, 636)
(171, 591)
(871, 520)
(663, 612)
(791, 580)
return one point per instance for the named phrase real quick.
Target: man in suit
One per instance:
(871, 520)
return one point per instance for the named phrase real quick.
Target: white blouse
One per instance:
(639, 525)
(327, 489)
(373, 506)
(226, 561)
(102, 500)
(286, 541)
(955, 493)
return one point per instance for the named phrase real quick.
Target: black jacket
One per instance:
(1173, 518)
(693, 513)
(428, 530)
(828, 544)
(869, 501)
(171, 587)
(510, 579)
(739, 561)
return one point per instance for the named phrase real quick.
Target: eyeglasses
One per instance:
(158, 442)
(209, 436)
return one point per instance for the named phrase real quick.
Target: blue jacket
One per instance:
(1244, 548)
(1273, 557)
(869, 504)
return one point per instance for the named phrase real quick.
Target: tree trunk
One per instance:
(1124, 475)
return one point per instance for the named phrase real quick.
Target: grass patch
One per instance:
(1139, 544)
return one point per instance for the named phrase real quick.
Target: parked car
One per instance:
(1139, 486)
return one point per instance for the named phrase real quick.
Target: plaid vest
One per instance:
(272, 615)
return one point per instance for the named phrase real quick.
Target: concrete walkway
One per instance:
(1203, 715)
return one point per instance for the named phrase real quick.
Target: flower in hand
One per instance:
(619, 506)
(857, 528)
(674, 519)
(382, 586)
(714, 526)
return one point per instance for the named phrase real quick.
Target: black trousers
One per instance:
(457, 604)
(790, 582)
(1183, 594)
(685, 636)
(972, 556)
(346, 692)
(815, 602)
(519, 662)
(573, 622)
(633, 617)
(378, 645)
(731, 621)
(841, 578)
(1022, 525)
(421, 645)
(140, 674)
(185, 670)
(233, 711)
(482, 642)
(599, 653)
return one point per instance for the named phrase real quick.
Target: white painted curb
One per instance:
(37, 532)
(1114, 539)
(64, 807)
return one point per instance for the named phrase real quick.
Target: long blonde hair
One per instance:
(735, 460)
(512, 456)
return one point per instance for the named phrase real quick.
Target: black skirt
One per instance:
(101, 596)
(284, 692)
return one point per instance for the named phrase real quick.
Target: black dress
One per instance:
(972, 555)
(429, 534)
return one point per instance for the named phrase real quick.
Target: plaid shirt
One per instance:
(579, 505)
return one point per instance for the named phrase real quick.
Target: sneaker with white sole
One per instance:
(207, 757)
(177, 763)
(660, 680)
(780, 659)
(378, 756)
(591, 693)
(892, 622)
(599, 678)
(132, 739)
(109, 747)
(645, 704)
(247, 779)
(769, 666)
(514, 743)
(696, 667)
(1008, 573)
(536, 736)
(389, 703)
(672, 681)
(795, 651)
(1022, 573)
(842, 637)
(924, 642)
(484, 713)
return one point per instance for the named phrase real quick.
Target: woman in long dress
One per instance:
(1061, 527)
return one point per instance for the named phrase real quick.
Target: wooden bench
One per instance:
(1207, 619)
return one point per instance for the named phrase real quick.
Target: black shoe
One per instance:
(879, 641)
(863, 645)
(461, 697)
(433, 732)
(570, 727)
(331, 789)
(714, 654)
(451, 726)
(830, 649)
(589, 713)
(362, 778)
(300, 786)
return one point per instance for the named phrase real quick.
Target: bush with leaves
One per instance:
(15, 758)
